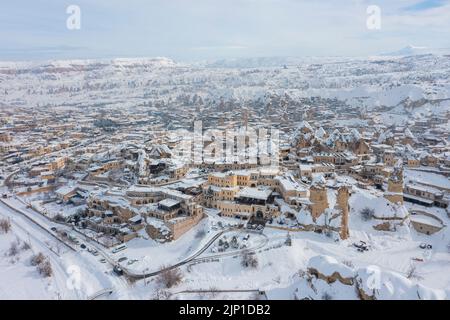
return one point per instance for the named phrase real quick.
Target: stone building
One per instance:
(325, 217)
(318, 197)
(342, 202)
(394, 191)
(5, 137)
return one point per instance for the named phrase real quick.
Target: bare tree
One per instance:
(169, 277)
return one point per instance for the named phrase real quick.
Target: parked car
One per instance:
(118, 270)
(425, 246)
(83, 246)
(361, 246)
(53, 229)
(130, 262)
(103, 260)
(122, 259)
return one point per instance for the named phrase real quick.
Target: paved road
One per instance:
(128, 272)
(236, 252)
(193, 258)
(42, 227)
(179, 264)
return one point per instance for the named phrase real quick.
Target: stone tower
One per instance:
(394, 192)
(342, 202)
(318, 197)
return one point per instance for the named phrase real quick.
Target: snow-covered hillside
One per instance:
(374, 82)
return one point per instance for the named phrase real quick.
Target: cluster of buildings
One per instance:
(122, 178)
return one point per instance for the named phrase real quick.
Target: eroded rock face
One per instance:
(156, 234)
(335, 276)
(385, 226)
(362, 294)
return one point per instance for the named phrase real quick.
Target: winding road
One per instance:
(129, 273)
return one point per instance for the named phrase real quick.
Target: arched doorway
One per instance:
(259, 215)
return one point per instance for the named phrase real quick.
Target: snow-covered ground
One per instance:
(278, 272)
(76, 274)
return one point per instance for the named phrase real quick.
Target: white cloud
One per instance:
(195, 29)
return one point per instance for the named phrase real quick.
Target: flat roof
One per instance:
(255, 193)
(169, 202)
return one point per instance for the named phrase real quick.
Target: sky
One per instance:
(191, 30)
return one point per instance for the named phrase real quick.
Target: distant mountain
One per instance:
(58, 66)
(415, 50)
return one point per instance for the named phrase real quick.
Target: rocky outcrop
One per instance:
(335, 276)
(330, 270)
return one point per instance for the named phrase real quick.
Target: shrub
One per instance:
(37, 259)
(161, 294)
(367, 213)
(327, 296)
(412, 273)
(43, 264)
(45, 268)
(249, 260)
(5, 226)
(170, 277)
(200, 234)
(59, 218)
(25, 246)
(13, 249)
(348, 263)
